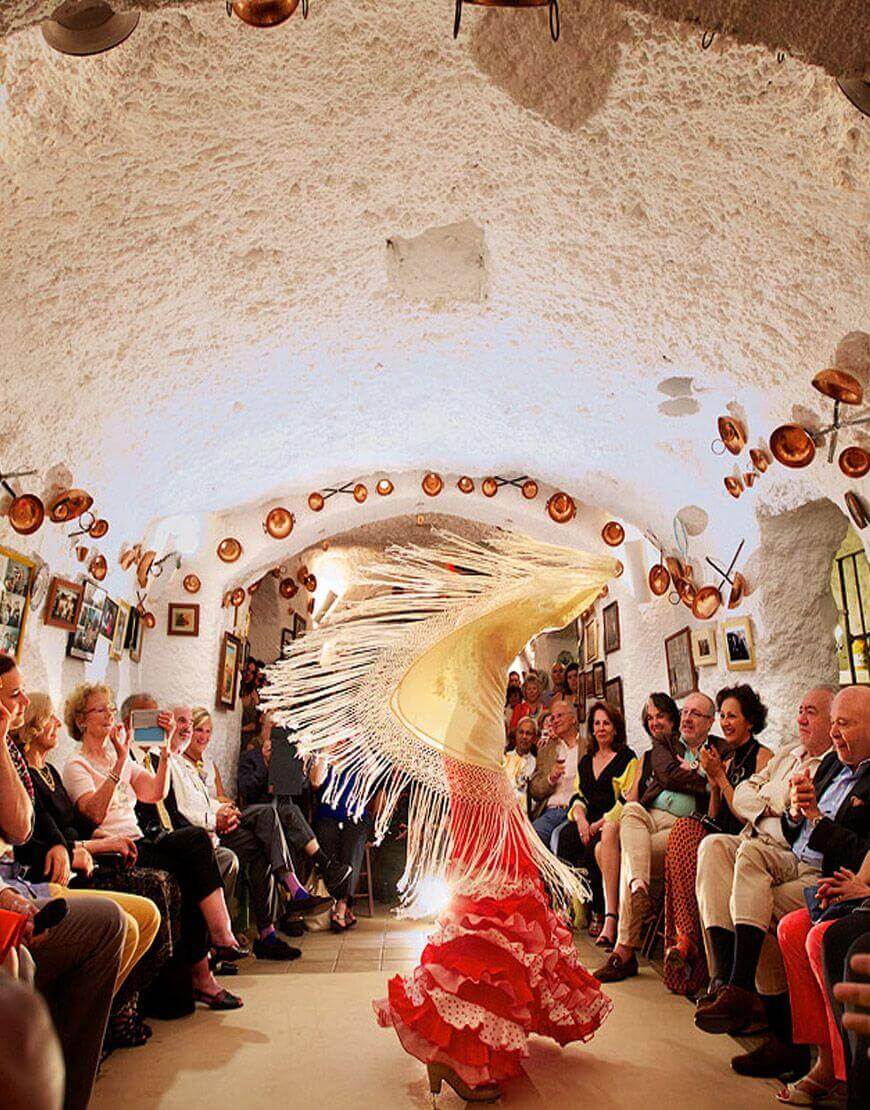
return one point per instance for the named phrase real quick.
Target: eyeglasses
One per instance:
(695, 714)
(100, 709)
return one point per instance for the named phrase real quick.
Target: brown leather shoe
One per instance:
(733, 1010)
(617, 969)
(681, 956)
(774, 1059)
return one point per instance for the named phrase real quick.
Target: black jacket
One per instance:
(845, 840)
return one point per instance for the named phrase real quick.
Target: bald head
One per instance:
(814, 719)
(850, 725)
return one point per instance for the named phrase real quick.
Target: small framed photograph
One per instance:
(286, 639)
(581, 658)
(82, 641)
(610, 617)
(590, 640)
(738, 644)
(138, 640)
(581, 710)
(228, 669)
(704, 650)
(116, 649)
(682, 676)
(586, 679)
(63, 604)
(299, 625)
(16, 581)
(613, 694)
(133, 622)
(599, 676)
(109, 619)
(182, 620)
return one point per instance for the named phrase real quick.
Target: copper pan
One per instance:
(149, 620)
(706, 603)
(733, 485)
(360, 493)
(97, 568)
(26, 514)
(760, 459)
(732, 434)
(384, 487)
(839, 386)
(310, 583)
(793, 446)
(465, 484)
(237, 597)
(739, 590)
(854, 462)
(749, 478)
(675, 568)
(279, 523)
(561, 507)
(529, 489)
(288, 588)
(98, 529)
(658, 580)
(82, 552)
(192, 583)
(857, 509)
(301, 575)
(620, 569)
(130, 556)
(613, 533)
(229, 549)
(69, 505)
(489, 487)
(432, 484)
(316, 501)
(686, 591)
(144, 567)
(264, 13)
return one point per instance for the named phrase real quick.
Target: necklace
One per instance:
(46, 774)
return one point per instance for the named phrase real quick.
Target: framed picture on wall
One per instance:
(682, 676)
(299, 625)
(132, 629)
(704, 650)
(599, 675)
(286, 639)
(109, 619)
(82, 642)
(581, 659)
(63, 604)
(116, 650)
(139, 639)
(738, 644)
(16, 580)
(610, 617)
(613, 694)
(228, 669)
(182, 620)
(590, 640)
(581, 711)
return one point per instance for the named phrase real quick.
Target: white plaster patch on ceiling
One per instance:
(675, 387)
(441, 265)
(694, 519)
(680, 406)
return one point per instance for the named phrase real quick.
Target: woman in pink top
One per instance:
(105, 784)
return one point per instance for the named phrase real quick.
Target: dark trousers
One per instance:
(188, 855)
(571, 848)
(261, 847)
(844, 939)
(296, 828)
(345, 841)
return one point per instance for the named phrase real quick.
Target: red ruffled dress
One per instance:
(495, 969)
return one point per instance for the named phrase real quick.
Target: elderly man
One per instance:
(645, 824)
(553, 782)
(826, 825)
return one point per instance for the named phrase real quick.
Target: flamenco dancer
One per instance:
(412, 682)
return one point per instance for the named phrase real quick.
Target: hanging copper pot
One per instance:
(144, 567)
(749, 477)
(706, 603)
(529, 489)
(229, 549)
(432, 484)
(276, 572)
(675, 568)
(739, 590)
(854, 462)
(793, 446)
(465, 484)
(658, 580)
(360, 493)
(620, 569)
(760, 459)
(237, 597)
(98, 568)
(265, 13)
(129, 556)
(489, 487)
(26, 514)
(839, 386)
(82, 552)
(191, 583)
(731, 434)
(149, 620)
(733, 485)
(288, 588)
(316, 501)
(561, 507)
(301, 575)
(310, 583)
(279, 523)
(857, 509)
(384, 487)
(686, 591)
(69, 505)
(98, 529)
(613, 533)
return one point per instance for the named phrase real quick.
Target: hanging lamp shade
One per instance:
(82, 27)
(265, 13)
(553, 5)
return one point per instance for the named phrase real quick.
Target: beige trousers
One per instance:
(748, 881)
(643, 837)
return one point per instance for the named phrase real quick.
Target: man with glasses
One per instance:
(553, 783)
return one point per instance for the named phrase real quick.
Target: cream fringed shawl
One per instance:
(408, 684)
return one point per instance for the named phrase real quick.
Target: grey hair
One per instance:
(128, 704)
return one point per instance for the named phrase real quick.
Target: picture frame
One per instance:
(682, 675)
(16, 583)
(299, 625)
(116, 648)
(610, 621)
(581, 711)
(704, 646)
(228, 670)
(138, 640)
(109, 619)
(613, 694)
(63, 604)
(287, 638)
(182, 619)
(590, 640)
(82, 643)
(599, 679)
(587, 684)
(132, 632)
(738, 644)
(581, 657)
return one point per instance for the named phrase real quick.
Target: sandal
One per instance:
(809, 1092)
(349, 919)
(596, 924)
(126, 1029)
(602, 941)
(337, 926)
(223, 1000)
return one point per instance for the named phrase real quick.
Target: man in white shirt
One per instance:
(553, 782)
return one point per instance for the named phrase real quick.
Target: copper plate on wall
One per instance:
(264, 13)
(839, 386)
(98, 567)
(384, 487)
(68, 505)
(732, 434)
(759, 459)
(853, 461)
(792, 445)
(706, 603)
(489, 487)
(237, 597)
(749, 478)
(315, 502)
(229, 549)
(144, 567)
(301, 575)
(530, 489)
(856, 508)
(561, 508)
(288, 588)
(360, 493)
(613, 533)
(279, 523)
(675, 568)
(620, 569)
(738, 591)
(26, 514)
(686, 592)
(432, 484)
(733, 485)
(192, 583)
(98, 529)
(149, 620)
(658, 579)
(465, 484)
(310, 583)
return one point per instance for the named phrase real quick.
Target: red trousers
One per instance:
(812, 1020)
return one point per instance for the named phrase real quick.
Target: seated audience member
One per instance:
(532, 704)
(61, 850)
(726, 763)
(555, 777)
(254, 789)
(571, 685)
(512, 699)
(557, 682)
(601, 773)
(803, 940)
(104, 784)
(31, 1061)
(847, 983)
(249, 695)
(75, 964)
(665, 788)
(730, 874)
(827, 825)
(515, 679)
(520, 760)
